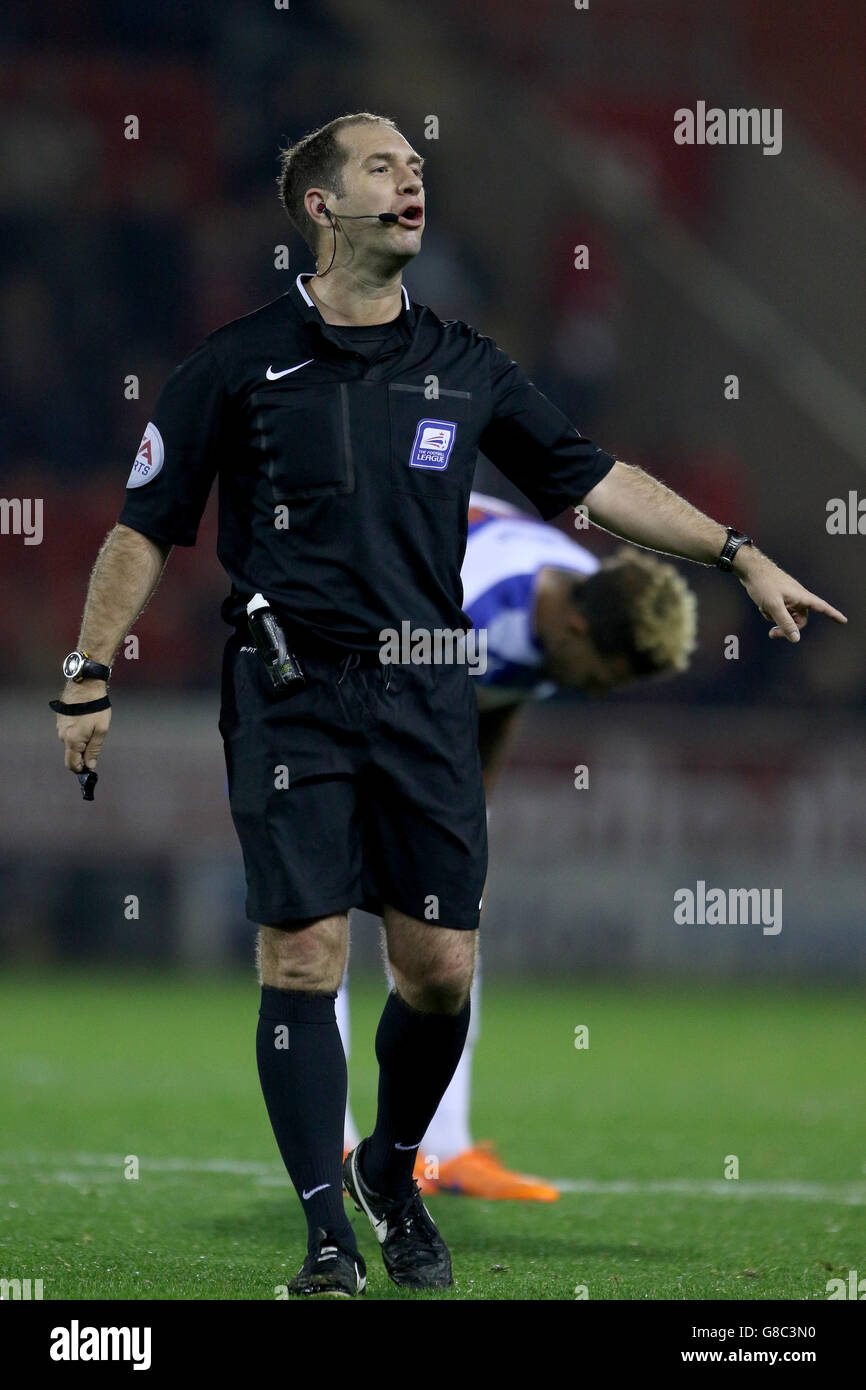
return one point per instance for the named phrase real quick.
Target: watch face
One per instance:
(72, 665)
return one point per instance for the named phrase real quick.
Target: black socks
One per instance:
(302, 1069)
(418, 1055)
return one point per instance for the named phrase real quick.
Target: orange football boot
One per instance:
(477, 1172)
(428, 1187)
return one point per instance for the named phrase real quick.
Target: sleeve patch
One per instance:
(149, 459)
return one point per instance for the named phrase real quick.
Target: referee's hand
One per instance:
(83, 734)
(779, 597)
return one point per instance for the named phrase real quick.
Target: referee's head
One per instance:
(358, 166)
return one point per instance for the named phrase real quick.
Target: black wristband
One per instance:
(86, 706)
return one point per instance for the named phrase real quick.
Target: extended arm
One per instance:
(637, 507)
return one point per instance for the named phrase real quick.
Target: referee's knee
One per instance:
(303, 955)
(436, 986)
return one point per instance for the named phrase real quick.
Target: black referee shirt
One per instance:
(345, 459)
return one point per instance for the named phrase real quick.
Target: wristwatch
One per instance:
(735, 540)
(78, 667)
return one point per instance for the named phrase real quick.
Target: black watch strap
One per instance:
(735, 541)
(95, 671)
(84, 707)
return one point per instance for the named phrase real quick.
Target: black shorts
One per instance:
(362, 789)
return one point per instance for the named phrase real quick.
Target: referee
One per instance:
(343, 423)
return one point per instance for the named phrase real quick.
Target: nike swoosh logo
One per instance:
(275, 376)
(313, 1190)
(407, 1148)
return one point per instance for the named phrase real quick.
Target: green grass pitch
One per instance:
(674, 1081)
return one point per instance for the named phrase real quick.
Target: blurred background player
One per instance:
(556, 618)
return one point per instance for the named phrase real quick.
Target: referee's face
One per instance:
(382, 173)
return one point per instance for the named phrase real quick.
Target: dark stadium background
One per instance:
(555, 128)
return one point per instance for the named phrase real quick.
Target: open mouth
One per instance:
(412, 216)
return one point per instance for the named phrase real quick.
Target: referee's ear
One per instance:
(315, 206)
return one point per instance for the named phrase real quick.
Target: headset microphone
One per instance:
(388, 217)
(361, 216)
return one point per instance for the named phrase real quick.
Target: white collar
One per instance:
(310, 275)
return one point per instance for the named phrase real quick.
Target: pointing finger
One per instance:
(818, 605)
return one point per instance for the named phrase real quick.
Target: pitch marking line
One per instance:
(85, 1167)
(850, 1194)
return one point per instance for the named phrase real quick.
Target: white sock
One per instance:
(449, 1133)
(350, 1129)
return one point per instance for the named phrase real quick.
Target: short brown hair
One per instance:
(639, 606)
(317, 160)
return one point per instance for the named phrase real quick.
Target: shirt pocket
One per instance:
(433, 443)
(303, 437)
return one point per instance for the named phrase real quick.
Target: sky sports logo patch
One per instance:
(434, 440)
